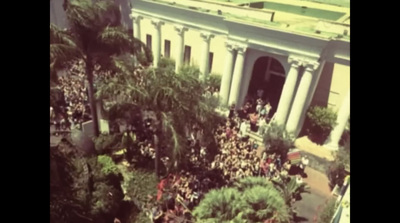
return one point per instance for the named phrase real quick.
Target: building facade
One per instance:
(298, 58)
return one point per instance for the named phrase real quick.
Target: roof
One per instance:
(302, 16)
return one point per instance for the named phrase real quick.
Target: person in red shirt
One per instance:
(160, 188)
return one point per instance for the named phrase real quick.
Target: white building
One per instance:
(298, 52)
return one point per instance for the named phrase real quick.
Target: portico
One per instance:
(193, 35)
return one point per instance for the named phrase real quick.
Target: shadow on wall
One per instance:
(321, 95)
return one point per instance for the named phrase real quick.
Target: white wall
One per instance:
(57, 14)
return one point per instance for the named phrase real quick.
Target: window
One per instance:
(148, 41)
(167, 48)
(210, 61)
(186, 55)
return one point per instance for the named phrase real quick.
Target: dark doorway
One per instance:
(268, 75)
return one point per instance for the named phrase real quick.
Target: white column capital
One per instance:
(229, 46)
(135, 17)
(295, 61)
(157, 23)
(310, 65)
(180, 29)
(206, 36)
(241, 49)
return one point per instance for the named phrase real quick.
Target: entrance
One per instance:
(269, 76)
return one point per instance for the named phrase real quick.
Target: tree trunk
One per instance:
(92, 100)
(157, 159)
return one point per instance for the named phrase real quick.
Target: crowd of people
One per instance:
(74, 99)
(74, 103)
(236, 158)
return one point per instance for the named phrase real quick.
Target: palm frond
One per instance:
(64, 53)
(61, 36)
(116, 38)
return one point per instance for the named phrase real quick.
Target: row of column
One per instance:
(293, 103)
(233, 73)
(180, 41)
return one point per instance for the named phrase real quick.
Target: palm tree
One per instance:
(290, 189)
(94, 36)
(252, 199)
(175, 100)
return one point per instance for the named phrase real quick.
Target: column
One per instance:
(237, 76)
(180, 41)
(157, 41)
(205, 54)
(286, 98)
(341, 121)
(136, 25)
(227, 75)
(301, 98)
(314, 84)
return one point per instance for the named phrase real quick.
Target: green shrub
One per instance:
(214, 81)
(166, 63)
(108, 165)
(321, 120)
(106, 143)
(277, 140)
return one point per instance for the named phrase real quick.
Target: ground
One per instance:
(308, 206)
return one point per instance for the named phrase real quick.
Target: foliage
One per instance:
(105, 143)
(106, 192)
(214, 81)
(277, 140)
(65, 205)
(322, 120)
(177, 101)
(290, 189)
(141, 184)
(250, 200)
(167, 63)
(326, 215)
(337, 169)
(108, 165)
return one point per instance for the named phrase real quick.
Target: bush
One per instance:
(325, 216)
(214, 81)
(251, 200)
(105, 143)
(166, 63)
(321, 120)
(277, 140)
(337, 170)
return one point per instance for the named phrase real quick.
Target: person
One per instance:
(253, 121)
(260, 93)
(267, 109)
(304, 163)
(116, 220)
(243, 129)
(299, 179)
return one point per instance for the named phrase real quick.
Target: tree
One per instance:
(291, 190)
(175, 102)
(66, 186)
(252, 199)
(95, 35)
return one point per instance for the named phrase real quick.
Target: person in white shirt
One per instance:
(299, 179)
(304, 163)
(243, 129)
